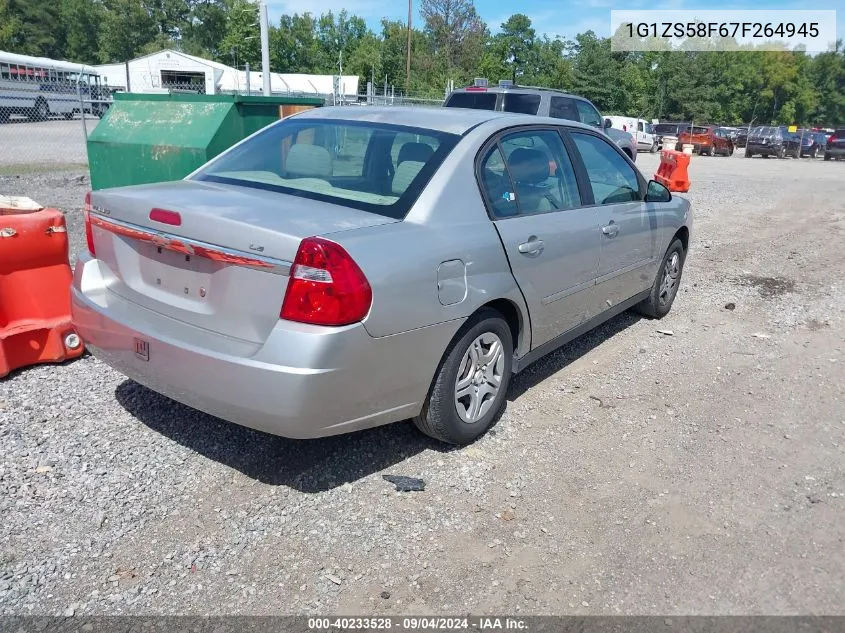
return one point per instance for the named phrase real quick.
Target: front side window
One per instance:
(528, 173)
(588, 114)
(375, 167)
(612, 179)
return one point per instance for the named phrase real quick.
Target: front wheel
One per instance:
(666, 282)
(469, 390)
(41, 111)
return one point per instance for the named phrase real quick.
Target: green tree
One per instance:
(9, 27)
(126, 28)
(81, 20)
(35, 28)
(457, 34)
(293, 45)
(241, 43)
(515, 44)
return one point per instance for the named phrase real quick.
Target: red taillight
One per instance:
(830, 139)
(89, 233)
(326, 287)
(166, 217)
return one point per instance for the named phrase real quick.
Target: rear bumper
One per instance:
(835, 151)
(302, 382)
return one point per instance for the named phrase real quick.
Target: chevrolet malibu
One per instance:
(349, 267)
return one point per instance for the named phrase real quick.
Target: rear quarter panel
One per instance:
(448, 222)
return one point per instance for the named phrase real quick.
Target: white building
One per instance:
(159, 72)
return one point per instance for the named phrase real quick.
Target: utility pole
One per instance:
(265, 45)
(408, 58)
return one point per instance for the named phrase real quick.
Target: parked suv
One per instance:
(706, 140)
(670, 130)
(508, 97)
(766, 140)
(835, 147)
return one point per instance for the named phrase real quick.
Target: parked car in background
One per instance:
(410, 276)
(669, 130)
(805, 143)
(640, 129)
(835, 146)
(766, 140)
(741, 137)
(508, 97)
(706, 141)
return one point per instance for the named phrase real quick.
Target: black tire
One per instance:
(781, 153)
(827, 156)
(439, 417)
(41, 111)
(748, 154)
(656, 306)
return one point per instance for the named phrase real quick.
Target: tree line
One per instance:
(450, 41)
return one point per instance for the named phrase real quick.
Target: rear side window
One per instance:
(527, 173)
(472, 100)
(839, 134)
(370, 166)
(612, 179)
(521, 103)
(563, 108)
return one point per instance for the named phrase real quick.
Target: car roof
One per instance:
(520, 89)
(450, 120)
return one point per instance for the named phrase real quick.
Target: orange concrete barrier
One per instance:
(35, 278)
(672, 172)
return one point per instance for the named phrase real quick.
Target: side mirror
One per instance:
(657, 192)
(608, 123)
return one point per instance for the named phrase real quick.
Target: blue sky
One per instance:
(552, 17)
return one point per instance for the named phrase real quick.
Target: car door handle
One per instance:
(532, 247)
(610, 230)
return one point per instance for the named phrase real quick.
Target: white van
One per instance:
(640, 129)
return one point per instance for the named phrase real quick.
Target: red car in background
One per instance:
(706, 140)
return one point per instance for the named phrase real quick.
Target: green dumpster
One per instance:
(156, 138)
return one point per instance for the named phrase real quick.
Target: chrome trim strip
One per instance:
(162, 239)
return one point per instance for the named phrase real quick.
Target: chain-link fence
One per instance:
(46, 123)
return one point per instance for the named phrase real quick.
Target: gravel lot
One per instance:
(633, 472)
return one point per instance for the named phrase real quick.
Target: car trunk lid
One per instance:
(224, 266)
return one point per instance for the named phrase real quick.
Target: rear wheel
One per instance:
(666, 282)
(748, 154)
(469, 390)
(827, 156)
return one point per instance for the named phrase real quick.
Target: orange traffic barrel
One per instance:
(673, 171)
(35, 278)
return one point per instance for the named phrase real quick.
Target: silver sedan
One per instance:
(349, 267)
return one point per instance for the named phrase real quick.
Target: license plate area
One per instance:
(173, 272)
(142, 348)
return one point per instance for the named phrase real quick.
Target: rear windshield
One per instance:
(700, 130)
(521, 103)
(375, 167)
(666, 128)
(763, 130)
(839, 134)
(472, 100)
